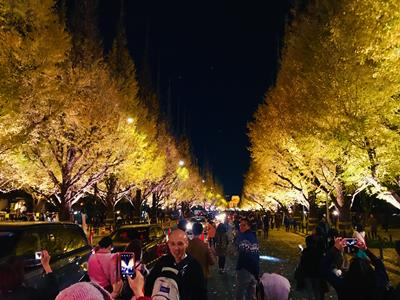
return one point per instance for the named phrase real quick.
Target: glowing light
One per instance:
(129, 120)
(181, 163)
(335, 213)
(270, 258)
(189, 226)
(221, 217)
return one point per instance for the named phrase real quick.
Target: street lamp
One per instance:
(181, 163)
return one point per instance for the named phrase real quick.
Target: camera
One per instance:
(350, 245)
(126, 264)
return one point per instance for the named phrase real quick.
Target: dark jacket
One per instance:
(310, 262)
(371, 288)
(191, 279)
(221, 243)
(249, 255)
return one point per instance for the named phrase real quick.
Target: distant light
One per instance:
(335, 213)
(270, 258)
(203, 181)
(181, 163)
(118, 212)
(129, 120)
(75, 212)
(189, 226)
(221, 217)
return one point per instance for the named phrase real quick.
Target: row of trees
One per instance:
(74, 120)
(329, 127)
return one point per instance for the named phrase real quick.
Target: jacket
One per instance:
(191, 284)
(249, 255)
(202, 253)
(102, 268)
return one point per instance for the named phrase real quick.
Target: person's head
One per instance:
(197, 229)
(182, 224)
(244, 224)
(11, 274)
(84, 291)
(135, 246)
(359, 227)
(221, 228)
(105, 243)
(359, 279)
(177, 244)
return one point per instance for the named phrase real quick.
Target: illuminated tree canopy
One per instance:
(73, 121)
(329, 126)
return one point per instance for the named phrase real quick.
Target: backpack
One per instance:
(166, 285)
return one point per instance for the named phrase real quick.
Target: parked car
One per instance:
(66, 243)
(152, 236)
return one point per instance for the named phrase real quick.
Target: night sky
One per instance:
(212, 61)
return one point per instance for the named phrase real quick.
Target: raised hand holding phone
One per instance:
(127, 264)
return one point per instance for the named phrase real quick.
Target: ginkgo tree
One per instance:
(334, 99)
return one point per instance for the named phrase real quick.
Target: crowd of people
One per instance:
(328, 260)
(346, 264)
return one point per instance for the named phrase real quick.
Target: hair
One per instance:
(221, 228)
(245, 219)
(359, 281)
(105, 242)
(197, 228)
(135, 246)
(11, 274)
(311, 242)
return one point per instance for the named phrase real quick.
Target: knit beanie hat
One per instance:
(84, 291)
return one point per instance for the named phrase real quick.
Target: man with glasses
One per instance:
(248, 264)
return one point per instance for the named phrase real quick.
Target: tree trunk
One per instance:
(137, 202)
(64, 214)
(313, 217)
(343, 204)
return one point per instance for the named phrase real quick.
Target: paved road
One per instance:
(282, 247)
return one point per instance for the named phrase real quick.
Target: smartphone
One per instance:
(127, 264)
(350, 242)
(350, 245)
(38, 255)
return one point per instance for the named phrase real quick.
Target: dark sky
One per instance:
(218, 58)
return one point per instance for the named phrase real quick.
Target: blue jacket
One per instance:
(249, 254)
